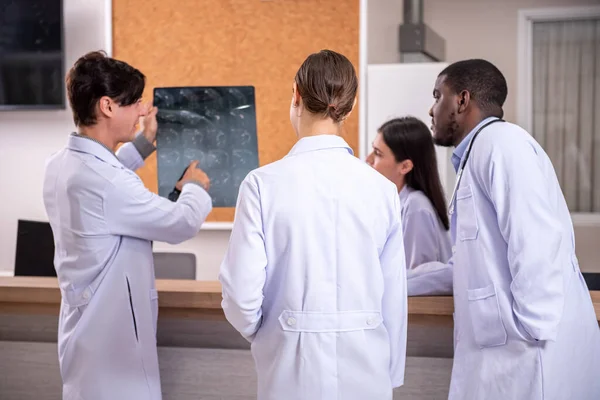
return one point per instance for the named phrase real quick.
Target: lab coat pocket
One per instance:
(324, 322)
(486, 320)
(467, 217)
(132, 309)
(455, 332)
(154, 305)
(77, 300)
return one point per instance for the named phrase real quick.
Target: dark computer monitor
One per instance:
(592, 280)
(35, 249)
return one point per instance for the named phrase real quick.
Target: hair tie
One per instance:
(333, 106)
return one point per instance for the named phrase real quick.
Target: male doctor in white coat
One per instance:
(103, 220)
(525, 327)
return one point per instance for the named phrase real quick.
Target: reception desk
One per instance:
(181, 298)
(199, 352)
(194, 299)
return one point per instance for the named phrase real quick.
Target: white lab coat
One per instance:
(315, 277)
(425, 240)
(103, 219)
(525, 327)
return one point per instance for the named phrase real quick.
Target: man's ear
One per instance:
(464, 99)
(106, 106)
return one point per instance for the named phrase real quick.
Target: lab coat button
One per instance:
(453, 249)
(291, 321)
(370, 321)
(86, 294)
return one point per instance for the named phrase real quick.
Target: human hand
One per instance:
(193, 173)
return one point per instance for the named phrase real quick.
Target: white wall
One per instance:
(27, 138)
(471, 29)
(384, 18)
(486, 29)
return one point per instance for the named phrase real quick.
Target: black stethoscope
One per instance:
(464, 162)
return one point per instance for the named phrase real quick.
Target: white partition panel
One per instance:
(396, 90)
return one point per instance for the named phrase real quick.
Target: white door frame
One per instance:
(108, 28)
(526, 19)
(363, 146)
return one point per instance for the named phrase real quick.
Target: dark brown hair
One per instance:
(95, 75)
(410, 139)
(327, 84)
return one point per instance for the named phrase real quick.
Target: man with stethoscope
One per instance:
(525, 326)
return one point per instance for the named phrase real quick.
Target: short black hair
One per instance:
(95, 75)
(484, 82)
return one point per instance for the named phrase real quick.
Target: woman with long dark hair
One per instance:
(403, 151)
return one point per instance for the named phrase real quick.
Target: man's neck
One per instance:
(474, 119)
(100, 135)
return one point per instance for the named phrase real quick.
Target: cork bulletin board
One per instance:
(259, 43)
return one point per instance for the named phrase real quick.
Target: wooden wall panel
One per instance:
(235, 42)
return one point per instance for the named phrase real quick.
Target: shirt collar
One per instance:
(319, 142)
(460, 150)
(88, 145)
(404, 192)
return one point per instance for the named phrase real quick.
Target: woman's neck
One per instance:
(400, 185)
(310, 126)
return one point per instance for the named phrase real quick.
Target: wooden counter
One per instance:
(198, 349)
(178, 298)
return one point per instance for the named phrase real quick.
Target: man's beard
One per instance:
(445, 137)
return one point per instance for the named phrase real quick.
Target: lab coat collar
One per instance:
(319, 142)
(85, 145)
(460, 150)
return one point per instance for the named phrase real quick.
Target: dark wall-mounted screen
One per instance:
(31, 54)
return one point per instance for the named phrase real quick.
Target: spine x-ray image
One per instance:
(214, 125)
